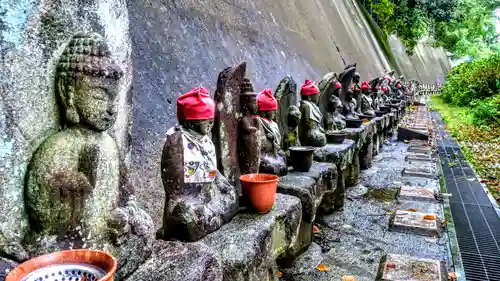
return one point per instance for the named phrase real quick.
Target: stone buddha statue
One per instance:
(272, 157)
(334, 120)
(77, 192)
(366, 100)
(351, 110)
(199, 199)
(249, 141)
(311, 133)
(384, 95)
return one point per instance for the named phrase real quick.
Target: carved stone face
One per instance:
(203, 127)
(249, 103)
(268, 114)
(94, 101)
(312, 98)
(365, 91)
(356, 78)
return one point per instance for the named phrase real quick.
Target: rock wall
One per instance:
(182, 44)
(32, 35)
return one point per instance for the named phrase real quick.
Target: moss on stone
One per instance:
(382, 194)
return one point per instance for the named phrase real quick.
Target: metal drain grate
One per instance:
(477, 224)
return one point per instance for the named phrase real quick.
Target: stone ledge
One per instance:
(173, 261)
(409, 134)
(421, 169)
(414, 222)
(402, 268)
(338, 154)
(419, 149)
(310, 186)
(412, 156)
(249, 245)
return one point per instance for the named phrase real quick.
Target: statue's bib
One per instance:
(200, 164)
(316, 114)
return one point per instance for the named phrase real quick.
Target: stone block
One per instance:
(409, 134)
(407, 268)
(419, 149)
(416, 193)
(420, 169)
(413, 156)
(415, 222)
(339, 154)
(173, 261)
(310, 186)
(249, 245)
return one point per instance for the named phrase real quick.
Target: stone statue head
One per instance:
(248, 98)
(267, 103)
(87, 83)
(310, 92)
(196, 111)
(356, 77)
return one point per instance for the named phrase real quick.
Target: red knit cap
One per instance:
(387, 77)
(266, 101)
(309, 89)
(338, 85)
(385, 89)
(364, 85)
(399, 85)
(195, 105)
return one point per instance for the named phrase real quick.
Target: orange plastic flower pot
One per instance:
(81, 264)
(260, 190)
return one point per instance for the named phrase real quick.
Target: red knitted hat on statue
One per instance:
(387, 77)
(338, 85)
(309, 89)
(399, 85)
(195, 105)
(365, 86)
(266, 101)
(385, 89)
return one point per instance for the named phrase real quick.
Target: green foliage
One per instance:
(476, 85)
(385, 11)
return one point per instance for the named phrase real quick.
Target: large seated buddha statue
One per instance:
(199, 199)
(272, 157)
(311, 133)
(77, 193)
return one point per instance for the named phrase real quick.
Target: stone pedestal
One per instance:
(173, 261)
(415, 222)
(406, 268)
(250, 244)
(343, 156)
(310, 187)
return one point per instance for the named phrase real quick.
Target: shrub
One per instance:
(486, 112)
(477, 80)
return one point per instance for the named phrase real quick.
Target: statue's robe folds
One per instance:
(199, 199)
(272, 158)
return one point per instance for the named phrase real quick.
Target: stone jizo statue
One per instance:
(199, 199)
(272, 157)
(311, 133)
(333, 119)
(249, 139)
(366, 101)
(77, 184)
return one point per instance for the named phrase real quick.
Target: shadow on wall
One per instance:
(182, 44)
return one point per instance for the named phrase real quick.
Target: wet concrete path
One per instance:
(352, 242)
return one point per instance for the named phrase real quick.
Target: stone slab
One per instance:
(419, 149)
(412, 156)
(407, 268)
(420, 169)
(310, 186)
(249, 245)
(416, 193)
(414, 222)
(173, 261)
(338, 154)
(409, 134)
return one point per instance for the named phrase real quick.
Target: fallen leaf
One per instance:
(411, 210)
(390, 211)
(431, 239)
(322, 267)
(316, 229)
(391, 265)
(444, 222)
(280, 274)
(348, 278)
(483, 180)
(452, 276)
(430, 217)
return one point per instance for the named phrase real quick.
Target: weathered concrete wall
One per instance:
(178, 45)
(428, 65)
(32, 35)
